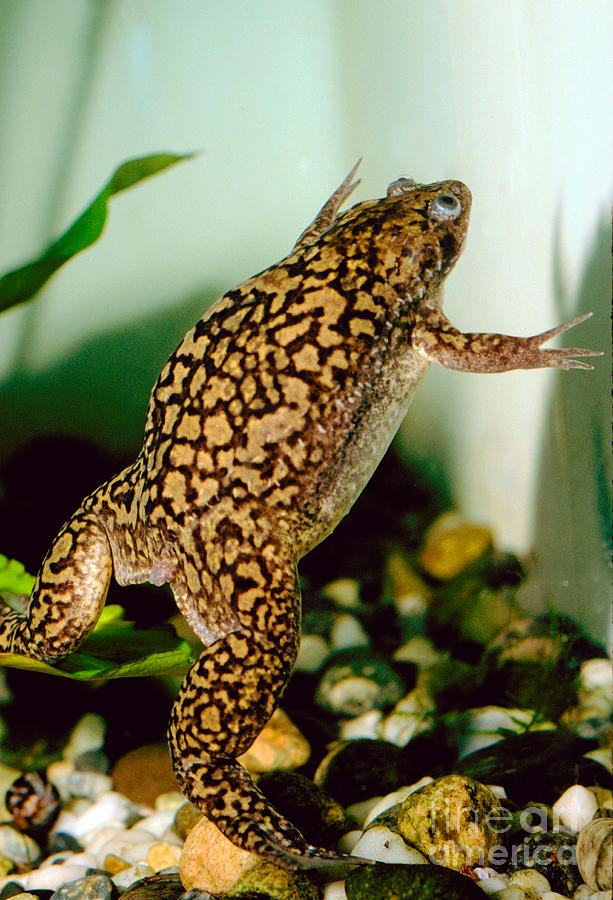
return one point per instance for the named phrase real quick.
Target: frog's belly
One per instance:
(355, 452)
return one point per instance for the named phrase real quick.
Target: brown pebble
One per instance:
(279, 746)
(185, 819)
(210, 861)
(164, 886)
(114, 864)
(145, 773)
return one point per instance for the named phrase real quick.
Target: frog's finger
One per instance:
(561, 358)
(565, 326)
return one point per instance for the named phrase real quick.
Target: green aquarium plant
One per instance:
(116, 648)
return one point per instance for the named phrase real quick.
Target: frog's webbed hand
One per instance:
(435, 338)
(226, 699)
(67, 597)
(327, 214)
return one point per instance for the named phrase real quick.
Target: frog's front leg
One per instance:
(226, 699)
(435, 338)
(67, 597)
(327, 214)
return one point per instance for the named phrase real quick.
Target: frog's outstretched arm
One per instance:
(435, 338)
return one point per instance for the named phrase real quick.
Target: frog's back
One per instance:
(272, 399)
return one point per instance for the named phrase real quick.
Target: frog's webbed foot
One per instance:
(244, 816)
(327, 214)
(435, 338)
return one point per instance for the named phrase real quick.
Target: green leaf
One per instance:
(23, 283)
(116, 649)
(13, 577)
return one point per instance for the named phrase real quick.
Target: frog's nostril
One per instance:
(400, 186)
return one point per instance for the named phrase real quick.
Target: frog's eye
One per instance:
(400, 186)
(444, 207)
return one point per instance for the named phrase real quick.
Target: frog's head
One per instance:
(427, 224)
(412, 237)
(408, 240)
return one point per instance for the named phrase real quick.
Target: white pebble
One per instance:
(157, 823)
(18, 847)
(575, 808)
(348, 841)
(509, 893)
(127, 877)
(131, 846)
(359, 811)
(553, 895)
(130, 853)
(583, 892)
(88, 734)
(68, 819)
(138, 834)
(364, 726)
(72, 783)
(170, 836)
(385, 803)
(314, 651)
(383, 845)
(172, 800)
(110, 807)
(344, 592)
(411, 715)
(484, 725)
(418, 650)
(490, 881)
(87, 860)
(335, 891)
(53, 877)
(94, 840)
(59, 774)
(347, 631)
(602, 756)
(531, 882)
(596, 675)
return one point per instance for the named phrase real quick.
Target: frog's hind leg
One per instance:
(67, 597)
(225, 700)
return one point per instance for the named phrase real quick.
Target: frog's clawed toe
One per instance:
(311, 857)
(561, 358)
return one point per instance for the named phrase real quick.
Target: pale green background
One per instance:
(281, 98)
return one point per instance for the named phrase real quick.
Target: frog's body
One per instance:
(262, 430)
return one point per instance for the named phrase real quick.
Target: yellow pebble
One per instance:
(162, 855)
(451, 545)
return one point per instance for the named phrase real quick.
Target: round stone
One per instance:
(391, 882)
(452, 822)
(210, 861)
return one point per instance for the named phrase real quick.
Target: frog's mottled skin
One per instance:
(262, 429)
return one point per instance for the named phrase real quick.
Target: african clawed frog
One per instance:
(262, 429)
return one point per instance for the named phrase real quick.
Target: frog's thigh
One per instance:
(68, 595)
